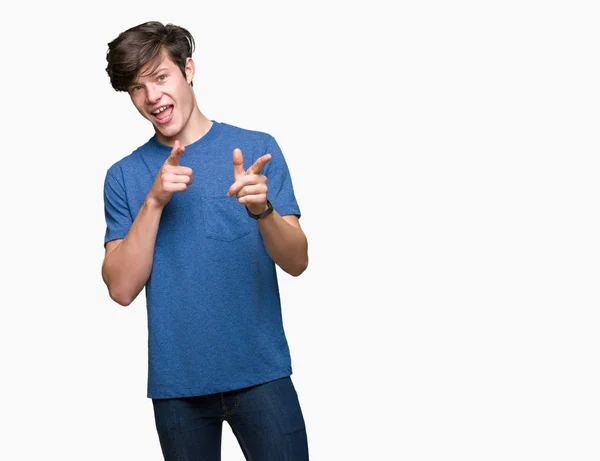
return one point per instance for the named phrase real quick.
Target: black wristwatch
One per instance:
(265, 213)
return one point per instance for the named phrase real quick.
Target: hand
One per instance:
(249, 186)
(171, 178)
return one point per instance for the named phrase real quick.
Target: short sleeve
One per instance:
(116, 209)
(279, 181)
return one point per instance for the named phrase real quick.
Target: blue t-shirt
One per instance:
(214, 313)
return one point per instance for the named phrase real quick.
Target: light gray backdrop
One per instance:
(445, 157)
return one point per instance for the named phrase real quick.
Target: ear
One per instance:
(190, 70)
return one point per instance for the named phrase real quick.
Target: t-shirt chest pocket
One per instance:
(225, 219)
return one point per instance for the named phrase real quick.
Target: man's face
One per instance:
(163, 95)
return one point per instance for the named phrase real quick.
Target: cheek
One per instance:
(138, 104)
(189, 99)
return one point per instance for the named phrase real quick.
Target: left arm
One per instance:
(285, 242)
(284, 239)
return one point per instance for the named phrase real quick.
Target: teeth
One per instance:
(159, 110)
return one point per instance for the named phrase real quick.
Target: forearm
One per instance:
(286, 244)
(126, 269)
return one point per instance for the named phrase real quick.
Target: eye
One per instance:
(161, 78)
(136, 88)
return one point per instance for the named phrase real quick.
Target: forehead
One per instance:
(161, 61)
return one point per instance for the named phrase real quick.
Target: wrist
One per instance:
(152, 203)
(261, 213)
(254, 209)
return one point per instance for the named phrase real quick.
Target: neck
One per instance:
(196, 127)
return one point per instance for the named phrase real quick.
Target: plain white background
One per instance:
(445, 158)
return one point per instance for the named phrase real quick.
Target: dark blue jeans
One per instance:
(266, 420)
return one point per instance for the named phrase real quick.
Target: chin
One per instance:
(168, 132)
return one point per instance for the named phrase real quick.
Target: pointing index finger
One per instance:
(257, 167)
(238, 163)
(176, 154)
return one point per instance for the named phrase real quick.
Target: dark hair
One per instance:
(139, 45)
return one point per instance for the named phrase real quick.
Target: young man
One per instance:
(192, 218)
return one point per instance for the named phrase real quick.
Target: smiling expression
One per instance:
(164, 96)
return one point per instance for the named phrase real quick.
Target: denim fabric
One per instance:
(266, 420)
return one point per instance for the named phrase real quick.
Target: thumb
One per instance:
(176, 154)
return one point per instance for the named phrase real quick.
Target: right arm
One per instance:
(128, 262)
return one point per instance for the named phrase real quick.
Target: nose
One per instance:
(153, 94)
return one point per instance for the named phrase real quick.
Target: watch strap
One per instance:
(264, 214)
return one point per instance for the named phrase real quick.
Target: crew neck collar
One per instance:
(212, 133)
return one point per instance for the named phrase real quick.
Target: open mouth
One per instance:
(163, 114)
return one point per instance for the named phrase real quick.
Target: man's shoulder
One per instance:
(245, 133)
(131, 159)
